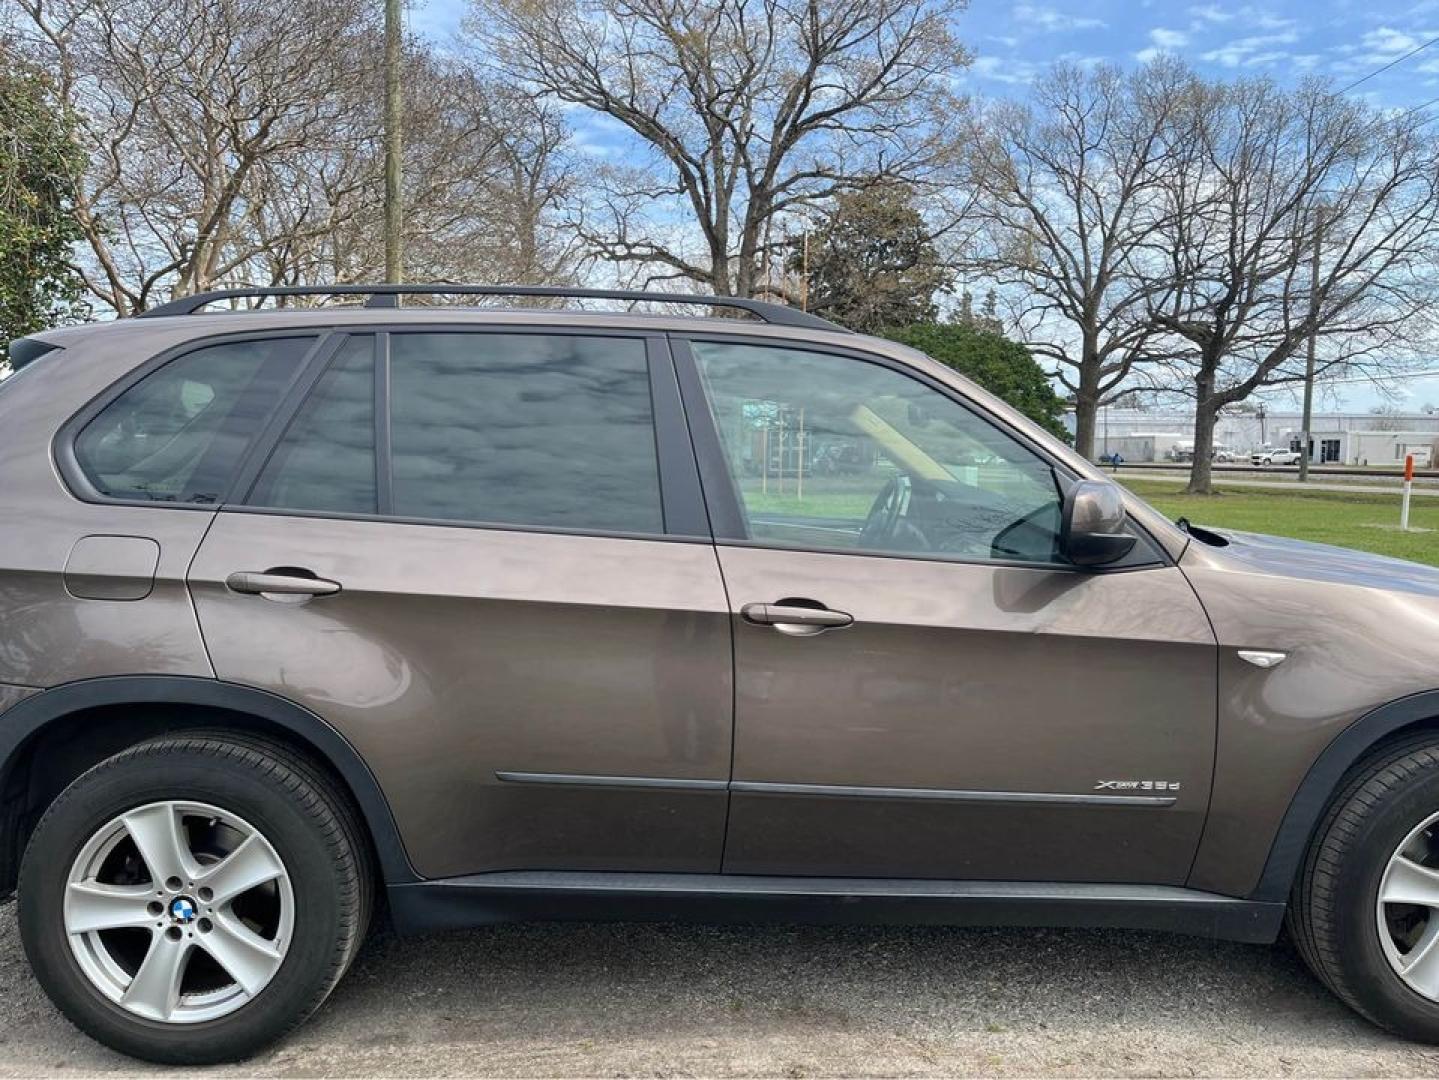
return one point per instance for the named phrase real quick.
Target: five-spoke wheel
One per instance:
(1365, 909)
(179, 911)
(1408, 909)
(195, 897)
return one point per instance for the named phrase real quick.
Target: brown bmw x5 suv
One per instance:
(537, 613)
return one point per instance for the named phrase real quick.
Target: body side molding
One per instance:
(507, 896)
(847, 791)
(839, 791)
(1322, 781)
(590, 780)
(31, 714)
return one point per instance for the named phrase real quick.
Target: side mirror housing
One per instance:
(1091, 527)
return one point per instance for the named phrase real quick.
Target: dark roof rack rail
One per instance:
(386, 296)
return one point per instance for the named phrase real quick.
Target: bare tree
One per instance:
(233, 142)
(1067, 192)
(182, 107)
(487, 170)
(750, 109)
(1266, 178)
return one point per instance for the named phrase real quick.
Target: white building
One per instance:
(1338, 438)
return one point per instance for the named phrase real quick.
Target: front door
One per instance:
(924, 687)
(466, 554)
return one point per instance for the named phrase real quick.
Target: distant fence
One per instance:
(1288, 470)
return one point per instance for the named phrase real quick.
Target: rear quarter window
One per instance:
(179, 433)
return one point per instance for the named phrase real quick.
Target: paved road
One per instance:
(1279, 483)
(664, 1000)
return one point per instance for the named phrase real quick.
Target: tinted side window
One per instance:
(835, 452)
(524, 429)
(326, 461)
(179, 433)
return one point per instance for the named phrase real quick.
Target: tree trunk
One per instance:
(1201, 475)
(1086, 410)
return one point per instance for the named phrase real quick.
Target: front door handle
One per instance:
(276, 583)
(795, 619)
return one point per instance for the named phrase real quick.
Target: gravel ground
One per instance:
(667, 1000)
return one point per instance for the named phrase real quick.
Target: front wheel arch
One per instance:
(1326, 778)
(175, 703)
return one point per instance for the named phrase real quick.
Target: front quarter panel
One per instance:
(1353, 643)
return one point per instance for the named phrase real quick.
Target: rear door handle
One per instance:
(794, 619)
(280, 584)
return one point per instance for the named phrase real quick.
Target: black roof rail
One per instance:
(386, 296)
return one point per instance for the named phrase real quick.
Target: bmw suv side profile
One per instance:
(530, 613)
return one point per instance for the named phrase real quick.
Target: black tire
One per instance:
(298, 810)
(1332, 912)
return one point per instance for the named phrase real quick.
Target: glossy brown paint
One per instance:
(49, 635)
(1359, 632)
(453, 654)
(960, 678)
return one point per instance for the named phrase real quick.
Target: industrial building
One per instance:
(1338, 438)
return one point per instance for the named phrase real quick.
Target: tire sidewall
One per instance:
(125, 783)
(1365, 969)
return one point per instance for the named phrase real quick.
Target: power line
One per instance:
(1419, 108)
(1386, 67)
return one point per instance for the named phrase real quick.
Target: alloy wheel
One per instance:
(179, 912)
(1408, 909)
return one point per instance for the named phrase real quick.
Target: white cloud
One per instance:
(1243, 51)
(1146, 55)
(1084, 60)
(1386, 41)
(1168, 39)
(1049, 19)
(1211, 13)
(1264, 20)
(1003, 69)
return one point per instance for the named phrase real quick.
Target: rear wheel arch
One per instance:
(49, 738)
(1373, 733)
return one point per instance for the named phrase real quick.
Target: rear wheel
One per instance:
(1365, 910)
(195, 897)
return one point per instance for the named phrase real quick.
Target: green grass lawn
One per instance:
(1360, 520)
(1365, 521)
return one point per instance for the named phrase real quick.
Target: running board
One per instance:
(512, 896)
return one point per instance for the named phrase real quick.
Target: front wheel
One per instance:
(193, 898)
(1365, 910)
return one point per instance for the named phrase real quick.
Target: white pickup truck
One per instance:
(1270, 455)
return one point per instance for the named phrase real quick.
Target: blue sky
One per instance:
(1012, 42)
(1342, 40)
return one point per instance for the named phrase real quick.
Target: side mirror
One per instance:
(1091, 526)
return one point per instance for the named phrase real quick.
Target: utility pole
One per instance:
(804, 274)
(1306, 437)
(394, 209)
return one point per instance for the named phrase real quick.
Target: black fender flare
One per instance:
(1322, 781)
(31, 714)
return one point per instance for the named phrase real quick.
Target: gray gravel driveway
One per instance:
(668, 1000)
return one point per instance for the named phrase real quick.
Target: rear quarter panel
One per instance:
(48, 636)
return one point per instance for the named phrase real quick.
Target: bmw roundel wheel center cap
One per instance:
(183, 910)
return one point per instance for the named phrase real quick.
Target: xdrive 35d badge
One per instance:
(519, 613)
(1137, 785)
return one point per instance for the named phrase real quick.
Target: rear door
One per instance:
(924, 688)
(482, 556)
